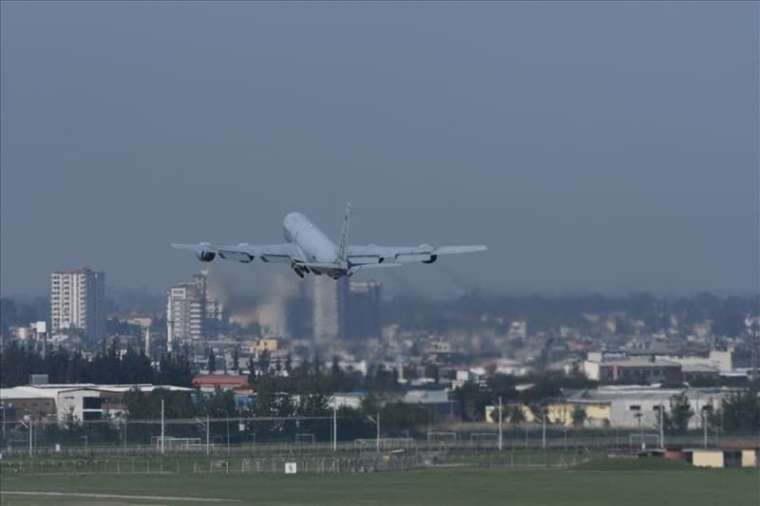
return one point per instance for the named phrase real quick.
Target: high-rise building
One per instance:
(191, 315)
(186, 312)
(362, 310)
(216, 317)
(327, 307)
(77, 303)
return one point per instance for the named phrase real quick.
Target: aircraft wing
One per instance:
(425, 253)
(243, 252)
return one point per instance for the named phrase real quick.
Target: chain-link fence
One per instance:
(314, 444)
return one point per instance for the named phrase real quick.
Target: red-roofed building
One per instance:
(210, 382)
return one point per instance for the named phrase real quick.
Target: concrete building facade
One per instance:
(191, 315)
(77, 302)
(82, 402)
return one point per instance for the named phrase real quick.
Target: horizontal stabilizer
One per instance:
(357, 268)
(190, 247)
(378, 266)
(453, 250)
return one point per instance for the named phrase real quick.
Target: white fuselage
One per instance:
(315, 246)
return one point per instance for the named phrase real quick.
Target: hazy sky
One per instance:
(592, 146)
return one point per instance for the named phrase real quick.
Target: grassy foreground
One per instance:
(588, 487)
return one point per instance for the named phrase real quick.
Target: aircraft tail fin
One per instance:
(343, 244)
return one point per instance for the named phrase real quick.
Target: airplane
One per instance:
(309, 250)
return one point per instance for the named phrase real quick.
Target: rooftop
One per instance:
(51, 391)
(220, 379)
(641, 362)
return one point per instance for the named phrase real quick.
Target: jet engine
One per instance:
(432, 259)
(205, 255)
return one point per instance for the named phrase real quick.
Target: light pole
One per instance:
(163, 427)
(543, 427)
(501, 435)
(228, 432)
(661, 413)
(2, 407)
(377, 430)
(335, 429)
(638, 416)
(705, 412)
(27, 422)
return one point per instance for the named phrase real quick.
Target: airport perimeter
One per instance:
(598, 469)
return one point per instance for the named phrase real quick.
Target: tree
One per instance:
(220, 404)
(236, 359)
(211, 361)
(680, 414)
(472, 400)
(431, 371)
(515, 414)
(741, 411)
(579, 416)
(264, 362)
(251, 371)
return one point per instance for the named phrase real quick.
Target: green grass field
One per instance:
(596, 484)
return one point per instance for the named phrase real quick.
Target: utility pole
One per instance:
(642, 444)
(208, 433)
(31, 440)
(662, 426)
(2, 407)
(163, 427)
(335, 429)
(378, 432)
(753, 332)
(543, 428)
(704, 425)
(501, 435)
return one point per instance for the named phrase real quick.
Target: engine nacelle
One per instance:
(205, 256)
(432, 259)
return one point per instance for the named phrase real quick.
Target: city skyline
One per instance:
(581, 181)
(586, 155)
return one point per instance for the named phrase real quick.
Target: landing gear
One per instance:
(300, 270)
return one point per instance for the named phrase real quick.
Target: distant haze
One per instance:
(593, 146)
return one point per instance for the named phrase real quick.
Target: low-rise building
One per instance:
(352, 400)
(619, 367)
(211, 382)
(560, 412)
(631, 405)
(707, 458)
(695, 373)
(268, 344)
(619, 406)
(81, 402)
(437, 400)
